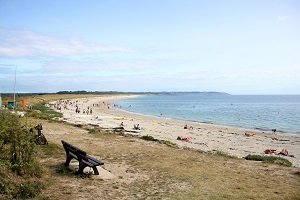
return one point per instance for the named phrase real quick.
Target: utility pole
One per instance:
(15, 89)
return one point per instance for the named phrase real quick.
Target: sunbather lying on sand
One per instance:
(250, 134)
(186, 139)
(270, 151)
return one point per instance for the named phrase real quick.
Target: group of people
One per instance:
(135, 126)
(65, 104)
(188, 127)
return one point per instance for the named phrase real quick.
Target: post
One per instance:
(15, 89)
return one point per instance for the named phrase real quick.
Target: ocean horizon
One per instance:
(259, 112)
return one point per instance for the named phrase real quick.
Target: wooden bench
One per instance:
(80, 155)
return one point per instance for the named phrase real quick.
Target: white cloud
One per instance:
(15, 43)
(107, 65)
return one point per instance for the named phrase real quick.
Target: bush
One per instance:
(221, 154)
(168, 143)
(17, 145)
(269, 159)
(91, 130)
(12, 187)
(27, 190)
(149, 138)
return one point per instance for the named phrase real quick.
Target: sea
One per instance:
(261, 112)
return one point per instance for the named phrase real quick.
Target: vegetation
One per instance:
(142, 170)
(149, 138)
(17, 161)
(41, 111)
(269, 159)
(221, 154)
(166, 142)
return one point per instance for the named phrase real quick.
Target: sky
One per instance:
(238, 47)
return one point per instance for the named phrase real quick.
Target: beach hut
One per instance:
(11, 104)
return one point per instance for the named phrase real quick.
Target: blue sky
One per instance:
(239, 47)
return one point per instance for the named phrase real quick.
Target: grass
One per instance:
(41, 111)
(221, 154)
(166, 142)
(62, 169)
(16, 187)
(149, 138)
(151, 170)
(269, 159)
(92, 130)
(78, 125)
(50, 150)
(28, 190)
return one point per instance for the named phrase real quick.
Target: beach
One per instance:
(238, 142)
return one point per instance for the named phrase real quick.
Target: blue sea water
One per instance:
(263, 112)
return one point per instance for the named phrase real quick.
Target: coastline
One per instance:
(204, 136)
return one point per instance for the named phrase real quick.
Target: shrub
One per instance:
(269, 159)
(221, 154)
(78, 125)
(16, 145)
(91, 130)
(168, 143)
(149, 138)
(27, 190)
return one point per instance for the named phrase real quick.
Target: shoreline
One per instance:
(251, 126)
(206, 137)
(259, 130)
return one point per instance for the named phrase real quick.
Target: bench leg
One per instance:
(81, 167)
(95, 170)
(68, 159)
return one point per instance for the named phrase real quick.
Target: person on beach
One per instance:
(136, 127)
(122, 124)
(186, 127)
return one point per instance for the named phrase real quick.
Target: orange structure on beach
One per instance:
(23, 102)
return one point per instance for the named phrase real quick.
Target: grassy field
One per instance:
(145, 169)
(150, 170)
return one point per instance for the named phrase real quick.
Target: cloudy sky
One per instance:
(239, 47)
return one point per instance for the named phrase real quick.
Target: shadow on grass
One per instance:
(61, 169)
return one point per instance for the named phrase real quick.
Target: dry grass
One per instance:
(150, 170)
(36, 99)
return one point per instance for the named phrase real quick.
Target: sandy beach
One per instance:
(233, 141)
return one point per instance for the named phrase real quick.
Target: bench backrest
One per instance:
(73, 149)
